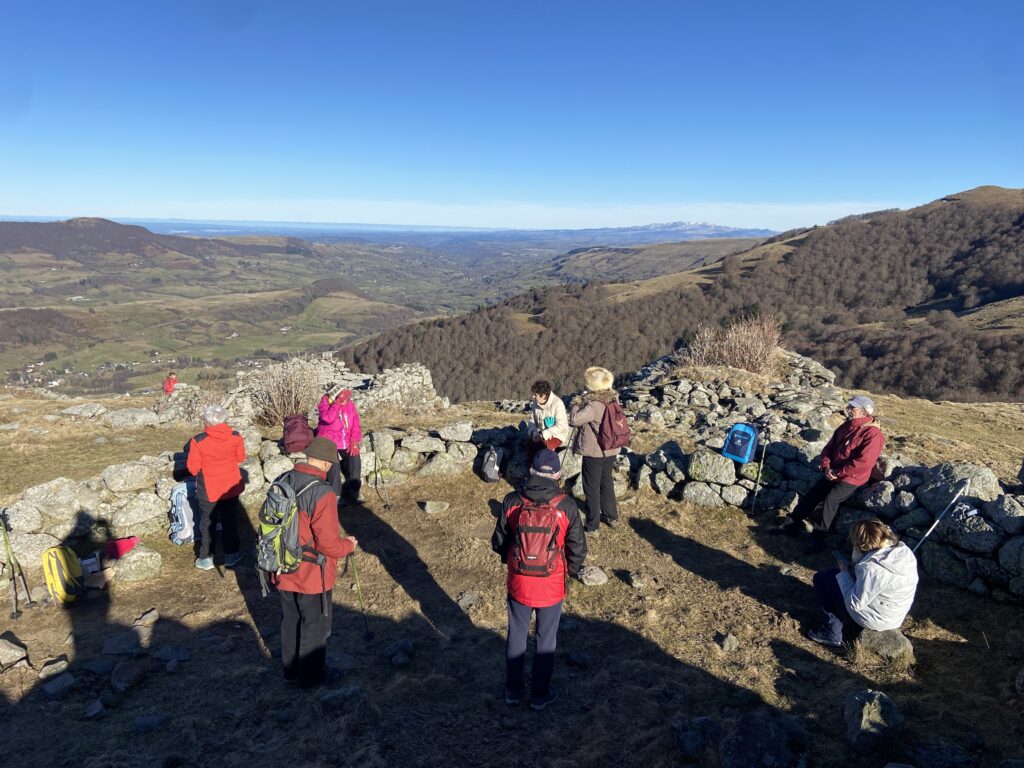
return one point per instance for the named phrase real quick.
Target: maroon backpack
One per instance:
(614, 431)
(535, 551)
(297, 433)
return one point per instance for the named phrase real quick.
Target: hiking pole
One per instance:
(386, 498)
(367, 634)
(757, 483)
(957, 495)
(14, 569)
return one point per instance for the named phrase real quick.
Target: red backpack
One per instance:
(297, 433)
(535, 550)
(614, 431)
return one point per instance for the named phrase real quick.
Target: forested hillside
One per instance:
(887, 299)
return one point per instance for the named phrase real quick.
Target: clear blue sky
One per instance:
(522, 113)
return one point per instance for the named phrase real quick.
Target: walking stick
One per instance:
(957, 495)
(377, 484)
(13, 569)
(367, 634)
(757, 483)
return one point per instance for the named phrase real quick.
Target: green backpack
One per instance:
(279, 549)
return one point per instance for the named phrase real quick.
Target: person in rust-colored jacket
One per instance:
(214, 456)
(846, 464)
(306, 601)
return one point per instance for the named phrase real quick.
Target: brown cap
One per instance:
(323, 449)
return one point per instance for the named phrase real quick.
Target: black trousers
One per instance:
(304, 633)
(599, 490)
(225, 512)
(829, 494)
(830, 600)
(352, 469)
(519, 616)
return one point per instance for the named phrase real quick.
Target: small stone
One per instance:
(127, 643)
(95, 711)
(149, 723)
(341, 699)
(58, 686)
(99, 667)
(636, 580)
(890, 644)
(172, 653)
(467, 601)
(53, 668)
(434, 507)
(11, 653)
(593, 576)
(872, 719)
(127, 675)
(147, 619)
(728, 643)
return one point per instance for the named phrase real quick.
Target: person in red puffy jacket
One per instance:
(846, 464)
(214, 456)
(540, 594)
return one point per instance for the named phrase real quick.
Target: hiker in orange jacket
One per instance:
(214, 456)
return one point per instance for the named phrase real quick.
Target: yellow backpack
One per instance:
(63, 573)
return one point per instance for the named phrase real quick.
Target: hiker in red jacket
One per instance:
(214, 456)
(846, 463)
(339, 422)
(306, 594)
(170, 382)
(537, 590)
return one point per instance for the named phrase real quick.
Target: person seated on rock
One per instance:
(549, 423)
(306, 602)
(846, 463)
(214, 457)
(540, 561)
(872, 591)
(339, 422)
(586, 414)
(170, 382)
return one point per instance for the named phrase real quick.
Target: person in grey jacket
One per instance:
(586, 414)
(873, 591)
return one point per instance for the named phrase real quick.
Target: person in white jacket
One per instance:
(549, 423)
(873, 591)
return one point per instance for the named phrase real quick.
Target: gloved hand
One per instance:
(552, 443)
(549, 422)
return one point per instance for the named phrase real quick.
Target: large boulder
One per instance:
(422, 444)
(29, 547)
(132, 418)
(382, 442)
(943, 565)
(942, 481)
(276, 466)
(23, 517)
(889, 644)
(440, 464)
(736, 495)
(131, 476)
(403, 461)
(872, 719)
(141, 564)
(709, 467)
(462, 453)
(84, 411)
(56, 498)
(968, 530)
(252, 472)
(460, 431)
(879, 498)
(145, 513)
(1008, 513)
(702, 495)
(1011, 556)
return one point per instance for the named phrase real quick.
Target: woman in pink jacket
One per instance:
(339, 423)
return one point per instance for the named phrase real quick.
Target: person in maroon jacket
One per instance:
(542, 594)
(306, 599)
(214, 456)
(846, 464)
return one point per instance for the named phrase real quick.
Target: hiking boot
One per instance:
(512, 698)
(592, 534)
(823, 636)
(204, 563)
(611, 522)
(542, 703)
(232, 559)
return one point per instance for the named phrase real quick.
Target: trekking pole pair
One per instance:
(13, 569)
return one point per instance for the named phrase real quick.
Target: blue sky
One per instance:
(526, 114)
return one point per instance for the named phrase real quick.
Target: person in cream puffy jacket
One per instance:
(874, 591)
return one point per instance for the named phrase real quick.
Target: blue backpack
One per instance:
(741, 443)
(184, 513)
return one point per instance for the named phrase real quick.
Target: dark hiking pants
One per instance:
(519, 616)
(830, 600)
(226, 513)
(304, 633)
(599, 490)
(829, 494)
(345, 476)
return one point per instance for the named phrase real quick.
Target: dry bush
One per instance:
(749, 344)
(283, 389)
